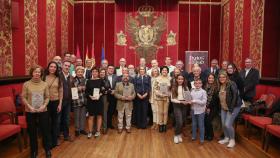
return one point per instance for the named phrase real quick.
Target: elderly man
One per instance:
(122, 63)
(142, 63)
(125, 71)
(125, 93)
(180, 65)
(214, 68)
(251, 78)
(57, 59)
(154, 64)
(224, 65)
(88, 66)
(131, 71)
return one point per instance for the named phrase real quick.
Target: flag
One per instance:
(102, 54)
(78, 54)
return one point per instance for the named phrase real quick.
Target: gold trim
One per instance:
(79, 2)
(71, 2)
(200, 3)
(224, 2)
(199, 22)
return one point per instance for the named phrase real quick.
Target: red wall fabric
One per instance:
(70, 28)
(19, 44)
(42, 37)
(78, 27)
(271, 38)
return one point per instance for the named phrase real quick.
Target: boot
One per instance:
(160, 129)
(164, 128)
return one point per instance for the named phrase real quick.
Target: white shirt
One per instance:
(247, 71)
(179, 97)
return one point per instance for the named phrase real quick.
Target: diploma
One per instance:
(163, 88)
(126, 91)
(96, 92)
(37, 100)
(187, 96)
(74, 92)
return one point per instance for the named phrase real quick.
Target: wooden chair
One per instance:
(271, 130)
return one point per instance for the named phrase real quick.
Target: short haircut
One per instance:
(34, 67)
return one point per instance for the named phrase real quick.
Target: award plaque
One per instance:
(37, 100)
(187, 96)
(96, 92)
(74, 92)
(163, 88)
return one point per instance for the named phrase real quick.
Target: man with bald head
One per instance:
(122, 63)
(57, 59)
(214, 68)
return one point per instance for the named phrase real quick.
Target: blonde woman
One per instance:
(154, 75)
(162, 91)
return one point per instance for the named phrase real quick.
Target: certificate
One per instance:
(187, 96)
(96, 92)
(118, 72)
(163, 88)
(126, 91)
(37, 99)
(74, 92)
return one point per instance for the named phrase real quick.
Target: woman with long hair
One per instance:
(51, 76)
(230, 103)
(178, 91)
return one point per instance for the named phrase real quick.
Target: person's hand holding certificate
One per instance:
(74, 92)
(95, 94)
(37, 100)
(163, 88)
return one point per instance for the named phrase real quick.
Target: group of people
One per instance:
(95, 94)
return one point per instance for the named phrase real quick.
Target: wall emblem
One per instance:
(121, 37)
(146, 30)
(171, 39)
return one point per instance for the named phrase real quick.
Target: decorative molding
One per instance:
(64, 26)
(224, 2)
(200, 3)
(51, 29)
(71, 2)
(14, 80)
(256, 32)
(238, 32)
(225, 50)
(82, 2)
(31, 34)
(6, 54)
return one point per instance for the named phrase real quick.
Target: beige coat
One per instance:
(119, 94)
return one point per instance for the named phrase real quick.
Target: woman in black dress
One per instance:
(94, 103)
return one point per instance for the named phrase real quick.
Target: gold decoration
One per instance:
(171, 39)
(121, 39)
(145, 30)
(225, 54)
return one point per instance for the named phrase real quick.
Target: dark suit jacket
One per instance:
(208, 71)
(250, 82)
(184, 73)
(114, 81)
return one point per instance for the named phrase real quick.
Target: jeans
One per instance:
(53, 115)
(227, 119)
(198, 119)
(64, 118)
(179, 112)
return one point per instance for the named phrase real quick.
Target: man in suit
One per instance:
(64, 114)
(88, 67)
(180, 65)
(251, 78)
(111, 99)
(119, 69)
(125, 71)
(214, 68)
(125, 93)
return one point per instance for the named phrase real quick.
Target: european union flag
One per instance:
(103, 54)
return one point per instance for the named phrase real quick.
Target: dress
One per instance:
(94, 107)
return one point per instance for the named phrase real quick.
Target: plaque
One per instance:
(37, 99)
(74, 92)
(163, 88)
(187, 96)
(96, 92)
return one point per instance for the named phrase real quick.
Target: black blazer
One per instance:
(208, 71)
(250, 82)
(114, 81)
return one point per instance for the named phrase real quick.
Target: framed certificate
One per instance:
(74, 92)
(37, 99)
(163, 88)
(126, 91)
(96, 92)
(187, 96)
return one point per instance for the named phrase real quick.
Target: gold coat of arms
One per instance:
(145, 30)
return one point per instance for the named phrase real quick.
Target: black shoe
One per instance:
(83, 132)
(111, 127)
(48, 154)
(209, 138)
(160, 129)
(164, 128)
(33, 155)
(77, 133)
(70, 139)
